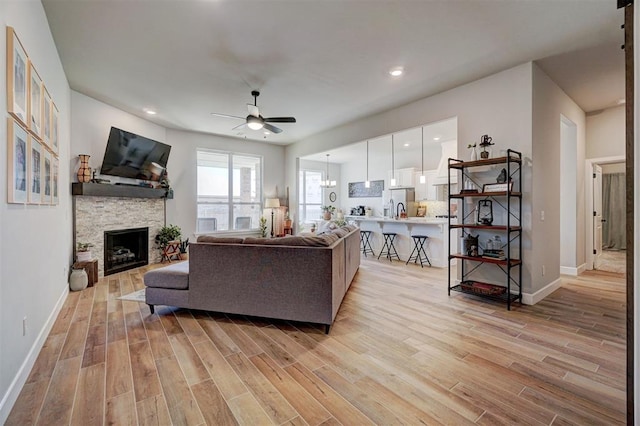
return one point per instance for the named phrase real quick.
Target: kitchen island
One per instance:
(434, 228)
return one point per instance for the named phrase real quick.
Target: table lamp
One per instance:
(272, 203)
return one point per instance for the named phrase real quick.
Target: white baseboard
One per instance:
(533, 298)
(574, 272)
(6, 404)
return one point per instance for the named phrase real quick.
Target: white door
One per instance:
(597, 215)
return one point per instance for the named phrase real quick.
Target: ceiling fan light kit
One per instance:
(254, 120)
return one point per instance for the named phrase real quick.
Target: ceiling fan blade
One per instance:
(240, 126)
(280, 119)
(272, 129)
(227, 116)
(253, 110)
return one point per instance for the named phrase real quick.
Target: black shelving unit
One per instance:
(510, 200)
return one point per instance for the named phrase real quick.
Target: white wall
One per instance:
(182, 210)
(92, 121)
(499, 105)
(606, 133)
(549, 104)
(35, 241)
(568, 207)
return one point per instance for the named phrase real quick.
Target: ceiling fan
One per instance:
(254, 120)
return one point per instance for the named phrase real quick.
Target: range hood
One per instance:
(449, 150)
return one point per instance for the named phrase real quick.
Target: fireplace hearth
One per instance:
(125, 249)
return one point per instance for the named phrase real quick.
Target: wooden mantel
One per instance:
(108, 190)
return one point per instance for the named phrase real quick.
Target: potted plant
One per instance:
(167, 234)
(83, 252)
(327, 211)
(263, 226)
(183, 249)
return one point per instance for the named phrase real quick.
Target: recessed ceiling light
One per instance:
(150, 111)
(436, 138)
(266, 132)
(396, 72)
(406, 144)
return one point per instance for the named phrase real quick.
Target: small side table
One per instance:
(171, 250)
(91, 268)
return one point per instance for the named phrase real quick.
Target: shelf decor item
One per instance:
(485, 142)
(84, 171)
(79, 280)
(474, 151)
(485, 212)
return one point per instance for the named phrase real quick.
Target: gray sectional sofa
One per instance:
(298, 278)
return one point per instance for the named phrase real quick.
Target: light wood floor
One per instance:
(400, 352)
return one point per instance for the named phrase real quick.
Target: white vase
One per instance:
(79, 280)
(474, 154)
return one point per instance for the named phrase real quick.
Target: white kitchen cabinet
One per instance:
(425, 191)
(404, 177)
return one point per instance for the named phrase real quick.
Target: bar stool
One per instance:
(365, 243)
(388, 249)
(418, 249)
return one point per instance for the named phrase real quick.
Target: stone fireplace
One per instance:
(95, 215)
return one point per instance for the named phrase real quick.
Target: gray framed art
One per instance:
(358, 190)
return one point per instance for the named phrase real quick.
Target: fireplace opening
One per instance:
(125, 249)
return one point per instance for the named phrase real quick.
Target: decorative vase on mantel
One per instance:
(84, 172)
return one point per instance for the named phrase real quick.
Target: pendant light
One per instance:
(423, 178)
(367, 184)
(393, 171)
(328, 183)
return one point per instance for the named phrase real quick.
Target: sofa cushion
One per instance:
(340, 232)
(324, 240)
(220, 240)
(349, 227)
(175, 276)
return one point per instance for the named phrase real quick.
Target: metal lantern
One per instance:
(485, 212)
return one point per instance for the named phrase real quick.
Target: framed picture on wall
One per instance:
(35, 171)
(54, 180)
(46, 117)
(18, 144)
(47, 193)
(54, 128)
(17, 78)
(35, 104)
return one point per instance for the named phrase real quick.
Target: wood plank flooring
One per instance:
(400, 352)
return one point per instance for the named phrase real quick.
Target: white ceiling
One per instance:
(324, 62)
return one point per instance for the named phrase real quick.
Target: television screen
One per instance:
(134, 156)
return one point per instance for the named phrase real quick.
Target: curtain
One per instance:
(614, 230)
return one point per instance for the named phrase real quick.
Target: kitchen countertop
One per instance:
(410, 220)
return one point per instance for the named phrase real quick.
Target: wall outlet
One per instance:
(543, 270)
(24, 326)
(542, 215)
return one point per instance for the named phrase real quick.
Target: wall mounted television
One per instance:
(133, 156)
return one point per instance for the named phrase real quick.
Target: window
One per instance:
(229, 191)
(310, 197)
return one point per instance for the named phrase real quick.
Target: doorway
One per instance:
(607, 231)
(613, 243)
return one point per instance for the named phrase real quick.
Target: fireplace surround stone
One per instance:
(95, 215)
